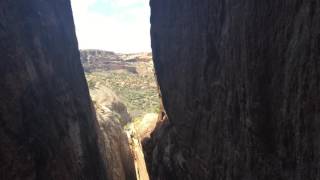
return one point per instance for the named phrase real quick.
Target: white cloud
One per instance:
(127, 31)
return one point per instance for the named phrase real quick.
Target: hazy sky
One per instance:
(114, 25)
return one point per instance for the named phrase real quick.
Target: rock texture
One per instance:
(146, 126)
(240, 81)
(48, 130)
(137, 152)
(112, 117)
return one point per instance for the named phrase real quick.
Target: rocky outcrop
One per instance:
(137, 152)
(146, 126)
(109, 105)
(112, 117)
(47, 127)
(240, 82)
(138, 132)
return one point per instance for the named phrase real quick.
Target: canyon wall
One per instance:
(48, 129)
(240, 81)
(112, 116)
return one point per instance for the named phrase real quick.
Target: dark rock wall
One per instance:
(47, 126)
(240, 81)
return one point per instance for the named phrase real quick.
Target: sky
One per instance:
(113, 25)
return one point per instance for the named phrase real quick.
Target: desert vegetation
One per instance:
(129, 76)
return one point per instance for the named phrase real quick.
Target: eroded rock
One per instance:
(48, 130)
(146, 126)
(240, 85)
(112, 117)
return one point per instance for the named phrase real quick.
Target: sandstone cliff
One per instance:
(47, 127)
(240, 81)
(112, 117)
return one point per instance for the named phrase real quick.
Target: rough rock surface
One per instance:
(137, 152)
(47, 127)
(146, 126)
(240, 81)
(112, 116)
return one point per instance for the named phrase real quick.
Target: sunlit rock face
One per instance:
(240, 81)
(112, 116)
(48, 130)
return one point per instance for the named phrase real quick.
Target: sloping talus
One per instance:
(240, 81)
(47, 126)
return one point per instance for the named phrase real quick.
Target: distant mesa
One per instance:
(99, 60)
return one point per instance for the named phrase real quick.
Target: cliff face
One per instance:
(112, 116)
(47, 126)
(240, 82)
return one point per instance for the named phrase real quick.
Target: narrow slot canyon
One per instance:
(125, 95)
(231, 90)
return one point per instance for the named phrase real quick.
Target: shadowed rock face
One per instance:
(240, 81)
(47, 126)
